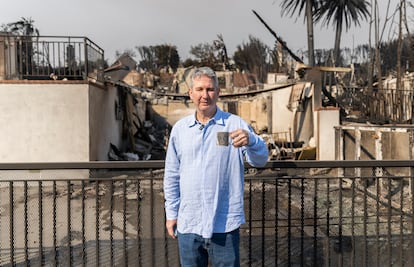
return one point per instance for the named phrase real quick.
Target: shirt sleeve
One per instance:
(257, 153)
(172, 179)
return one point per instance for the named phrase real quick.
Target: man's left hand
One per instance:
(239, 137)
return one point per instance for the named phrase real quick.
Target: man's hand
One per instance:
(239, 138)
(171, 225)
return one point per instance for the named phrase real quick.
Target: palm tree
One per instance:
(24, 27)
(309, 7)
(342, 13)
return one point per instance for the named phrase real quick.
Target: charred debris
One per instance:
(146, 128)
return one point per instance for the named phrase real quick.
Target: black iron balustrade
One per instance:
(298, 213)
(49, 57)
(377, 106)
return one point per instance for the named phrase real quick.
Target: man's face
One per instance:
(204, 95)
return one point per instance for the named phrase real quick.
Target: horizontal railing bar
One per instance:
(150, 164)
(45, 36)
(339, 163)
(145, 176)
(159, 164)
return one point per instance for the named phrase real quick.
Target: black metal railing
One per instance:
(298, 213)
(50, 57)
(378, 106)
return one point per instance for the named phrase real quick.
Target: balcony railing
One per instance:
(299, 213)
(378, 106)
(49, 57)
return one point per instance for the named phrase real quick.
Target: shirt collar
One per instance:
(217, 119)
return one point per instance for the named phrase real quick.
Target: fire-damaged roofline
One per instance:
(244, 93)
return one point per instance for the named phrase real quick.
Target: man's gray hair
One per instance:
(204, 71)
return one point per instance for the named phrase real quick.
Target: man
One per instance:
(204, 177)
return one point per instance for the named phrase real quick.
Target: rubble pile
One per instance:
(142, 131)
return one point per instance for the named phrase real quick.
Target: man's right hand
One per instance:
(171, 225)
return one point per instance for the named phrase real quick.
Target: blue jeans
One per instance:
(223, 249)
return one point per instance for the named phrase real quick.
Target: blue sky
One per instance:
(124, 24)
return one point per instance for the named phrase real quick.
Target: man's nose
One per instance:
(204, 93)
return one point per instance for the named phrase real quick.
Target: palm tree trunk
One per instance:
(378, 47)
(337, 52)
(399, 45)
(309, 21)
(371, 52)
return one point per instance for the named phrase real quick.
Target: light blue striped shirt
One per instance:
(204, 181)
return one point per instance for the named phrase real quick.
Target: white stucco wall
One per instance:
(44, 122)
(327, 120)
(104, 127)
(282, 117)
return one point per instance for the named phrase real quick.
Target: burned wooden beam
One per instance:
(283, 43)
